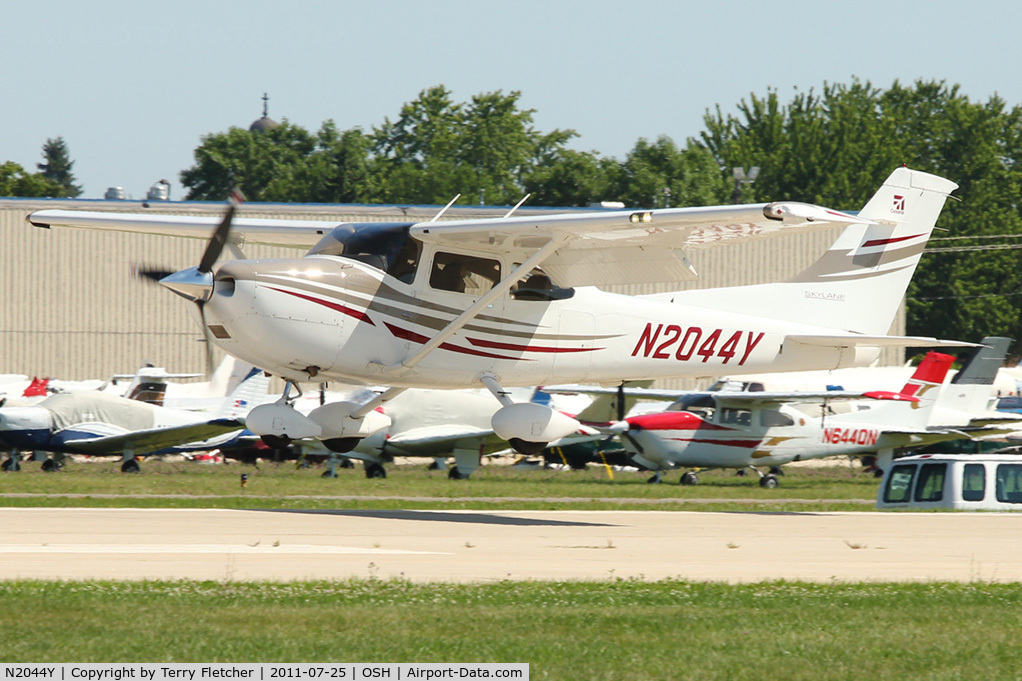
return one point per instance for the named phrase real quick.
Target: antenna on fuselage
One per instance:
(444, 209)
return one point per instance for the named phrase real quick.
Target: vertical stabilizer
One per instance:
(972, 387)
(249, 393)
(925, 385)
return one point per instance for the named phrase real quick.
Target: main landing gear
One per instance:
(527, 426)
(12, 464)
(767, 480)
(339, 425)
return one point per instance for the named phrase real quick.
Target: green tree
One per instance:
(689, 175)
(265, 165)
(57, 165)
(565, 177)
(14, 181)
(438, 148)
(834, 148)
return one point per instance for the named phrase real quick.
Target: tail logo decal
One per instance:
(899, 204)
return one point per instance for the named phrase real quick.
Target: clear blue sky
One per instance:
(132, 87)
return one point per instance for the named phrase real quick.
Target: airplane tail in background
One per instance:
(37, 388)
(857, 285)
(925, 385)
(972, 388)
(250, 392)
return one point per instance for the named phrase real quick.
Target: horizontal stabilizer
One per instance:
(856, 340)
(738, 397)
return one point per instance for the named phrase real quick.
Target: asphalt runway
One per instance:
(481, 546)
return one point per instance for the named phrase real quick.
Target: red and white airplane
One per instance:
(740, 429)
(510, 302)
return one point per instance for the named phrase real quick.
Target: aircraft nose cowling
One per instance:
(24, 426)
(666, 420)
(24, 418)
(259, 309)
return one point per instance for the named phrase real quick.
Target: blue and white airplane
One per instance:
(96, 423)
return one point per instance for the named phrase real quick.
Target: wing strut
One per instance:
(377, 401)
(465, 317)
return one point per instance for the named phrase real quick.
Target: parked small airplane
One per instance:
(152, 384)
(744, 429)
(471, 303)
(149, 384)
(96, 423)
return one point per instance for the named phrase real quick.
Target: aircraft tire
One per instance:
(276, 441)
(11, 465)
(527, 448)
(131, 466)
(375, 470)
(49, 465)
(341, 445)
(455, 474)
(689, 478)
(769, 481)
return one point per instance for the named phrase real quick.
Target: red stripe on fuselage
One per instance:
(361, 316)
(405, 334)
(721, 443)
(496, 345)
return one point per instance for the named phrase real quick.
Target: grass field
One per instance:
(615, 629)
(186, 484)
(608, 629)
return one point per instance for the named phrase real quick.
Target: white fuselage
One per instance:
(338, 319)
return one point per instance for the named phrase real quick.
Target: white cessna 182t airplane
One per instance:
(493, 302)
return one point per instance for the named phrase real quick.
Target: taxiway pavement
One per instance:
(478, 546)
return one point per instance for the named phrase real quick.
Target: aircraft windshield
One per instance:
(700, 404)
(384, 245)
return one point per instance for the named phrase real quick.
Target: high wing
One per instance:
(738, 398)
(263, 231)
(628, 247)
(593, 248)
(142, 442)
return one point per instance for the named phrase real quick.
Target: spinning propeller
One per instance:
(196, 283)
(622, 428)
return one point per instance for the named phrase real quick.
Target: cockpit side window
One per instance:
(406, 262)
(538, 286)
(737, 417)
(770, 418)
(463, 273)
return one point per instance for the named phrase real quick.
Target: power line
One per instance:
(980, 295)
(979, 236)
(966, 249)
